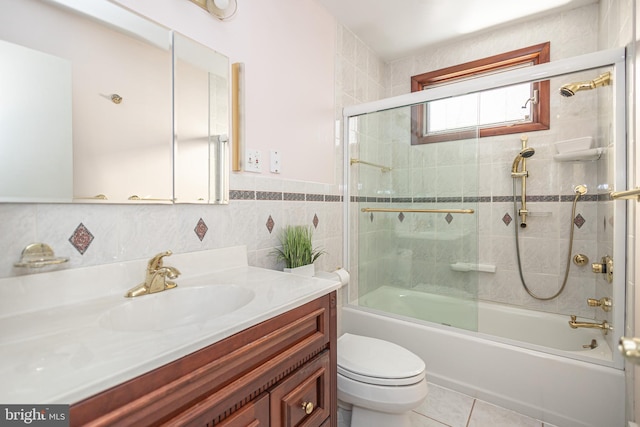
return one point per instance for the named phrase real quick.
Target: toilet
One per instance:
(378, 382)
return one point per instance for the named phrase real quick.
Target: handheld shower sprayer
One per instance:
(524, 154)
(570, 89)
(519, 170)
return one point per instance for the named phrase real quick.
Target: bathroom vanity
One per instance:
(281, 372)
(232, 345)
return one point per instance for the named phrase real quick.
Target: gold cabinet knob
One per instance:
(307, 407)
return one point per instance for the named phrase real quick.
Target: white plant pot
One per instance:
(308, 270)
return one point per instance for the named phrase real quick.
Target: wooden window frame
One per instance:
(537, 54)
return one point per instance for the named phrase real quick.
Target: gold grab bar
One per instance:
(627, 194)
(383, 168)
(453, 211)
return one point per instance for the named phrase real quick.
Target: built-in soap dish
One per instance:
(37, 255)
(578, 149)
(574, 145)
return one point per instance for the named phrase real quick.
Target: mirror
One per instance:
(35, 161)
(201, 104)
(95, 118)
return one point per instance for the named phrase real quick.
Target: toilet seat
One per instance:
(373, 361)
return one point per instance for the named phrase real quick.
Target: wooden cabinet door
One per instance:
(309, 385)
(254, 414)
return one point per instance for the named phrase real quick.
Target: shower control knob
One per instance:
(604, 303)
(581, 259)
(604, 267)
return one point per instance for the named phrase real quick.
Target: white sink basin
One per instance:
(175, 307)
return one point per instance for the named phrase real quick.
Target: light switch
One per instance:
(275, 161)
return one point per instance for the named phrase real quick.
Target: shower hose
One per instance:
(566, 271)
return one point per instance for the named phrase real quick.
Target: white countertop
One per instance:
(54, 349)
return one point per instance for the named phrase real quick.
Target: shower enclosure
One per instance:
(433, 227)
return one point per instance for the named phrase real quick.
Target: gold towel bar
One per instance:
(453, 211)
(627, 194)
(383, 168)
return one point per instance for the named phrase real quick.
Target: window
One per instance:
(502, 111)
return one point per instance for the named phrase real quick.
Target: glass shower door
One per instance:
(416, 209)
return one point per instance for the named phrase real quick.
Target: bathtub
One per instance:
(551, 378)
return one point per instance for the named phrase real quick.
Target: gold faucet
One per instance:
(156, 277)
(575, 325)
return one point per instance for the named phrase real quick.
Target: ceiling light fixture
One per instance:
(221, 9)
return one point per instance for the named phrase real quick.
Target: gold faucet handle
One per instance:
(156, 263)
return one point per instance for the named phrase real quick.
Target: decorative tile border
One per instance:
(497, 199)
(586, 198)
(242, 195)
(287, 197)
(293, 196)
(268, 195)
(315, 197)
(479, 199)
(424, 200)
(449, 200)
(548, 198)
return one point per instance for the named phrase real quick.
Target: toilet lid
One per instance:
(375, 361)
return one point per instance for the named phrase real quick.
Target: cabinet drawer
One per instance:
(254, 414)
(310, 385)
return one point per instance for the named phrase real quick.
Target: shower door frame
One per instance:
(606, 58)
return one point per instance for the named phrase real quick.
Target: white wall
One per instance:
(288, 49)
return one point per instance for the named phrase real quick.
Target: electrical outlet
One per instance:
(275, 161)
(253, 161)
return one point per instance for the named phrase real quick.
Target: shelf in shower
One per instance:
(465, 266)
(582, 155)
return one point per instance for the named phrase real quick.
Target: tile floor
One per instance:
(448, 408)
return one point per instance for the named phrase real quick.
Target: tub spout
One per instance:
(575, 325)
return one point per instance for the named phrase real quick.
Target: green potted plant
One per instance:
(297, 250)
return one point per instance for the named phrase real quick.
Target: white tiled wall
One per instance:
(127, 232)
